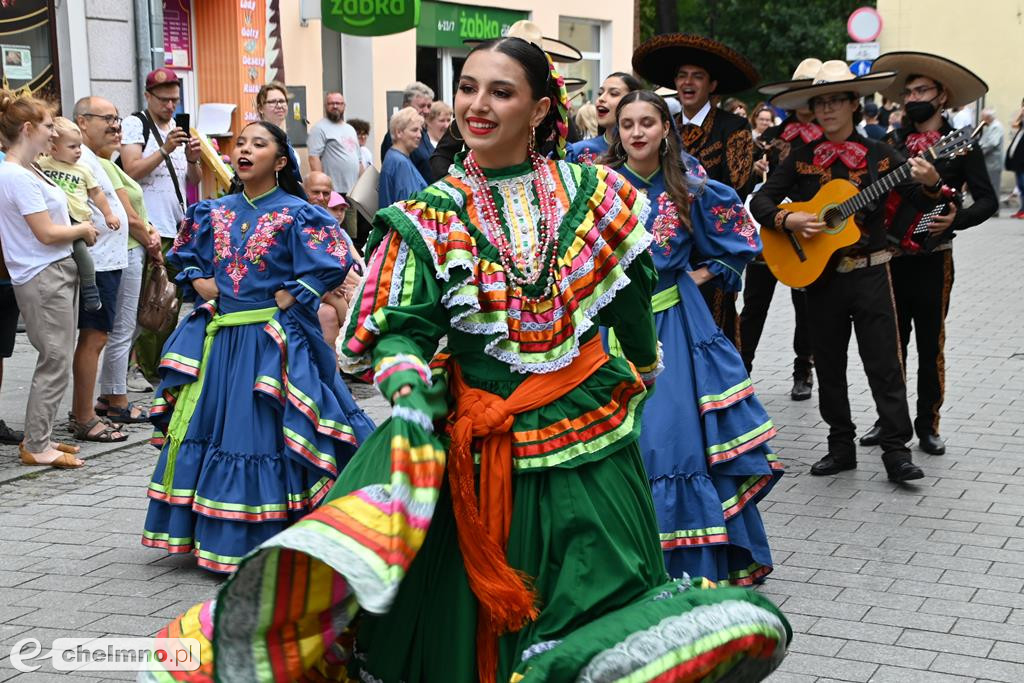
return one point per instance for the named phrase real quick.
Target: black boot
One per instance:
(872, 437)
(832, 464)
(932, 444)
(802, 384)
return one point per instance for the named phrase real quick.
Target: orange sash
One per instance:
(506, 600)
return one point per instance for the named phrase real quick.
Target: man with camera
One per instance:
(157, 150)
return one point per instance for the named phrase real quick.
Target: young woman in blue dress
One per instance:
(705, 442)
(613, 89)
(251, 415)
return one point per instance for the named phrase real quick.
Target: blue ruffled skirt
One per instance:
(704, 443)
(273, 426)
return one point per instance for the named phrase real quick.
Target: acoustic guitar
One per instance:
(799, 261)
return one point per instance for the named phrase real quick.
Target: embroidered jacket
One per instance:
(799, 178)
(724, 147)
(957, 171)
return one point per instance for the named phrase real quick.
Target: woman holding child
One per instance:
(37, 234)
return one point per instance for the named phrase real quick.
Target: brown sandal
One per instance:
(82, 431)
(66, 447)
(66, 461)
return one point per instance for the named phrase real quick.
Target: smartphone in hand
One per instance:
(183, 121)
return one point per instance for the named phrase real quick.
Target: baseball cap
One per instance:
(871, 109)
(336, 200)
(161, 76)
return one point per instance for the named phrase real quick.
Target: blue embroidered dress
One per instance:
(704, 435)
(257, 420)
(586, 151)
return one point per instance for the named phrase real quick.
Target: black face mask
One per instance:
(919, 112)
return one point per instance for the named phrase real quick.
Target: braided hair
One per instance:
(545, 81)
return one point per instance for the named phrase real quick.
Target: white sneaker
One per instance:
(137, 384)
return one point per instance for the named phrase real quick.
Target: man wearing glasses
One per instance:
(858, 288)
(162, 158)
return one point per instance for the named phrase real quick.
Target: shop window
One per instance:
(28, 54)
(588, 37)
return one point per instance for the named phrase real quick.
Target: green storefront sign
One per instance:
(445, 25)
(370, 17)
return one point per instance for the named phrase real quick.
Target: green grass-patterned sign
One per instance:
(370, 17)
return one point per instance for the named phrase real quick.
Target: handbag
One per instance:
(158, 302)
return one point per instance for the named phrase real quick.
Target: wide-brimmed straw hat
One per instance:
(658, 60)
(834, 76)
(802, 76)
(559, 50)
(962, 85)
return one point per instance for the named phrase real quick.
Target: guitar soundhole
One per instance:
(833, 218)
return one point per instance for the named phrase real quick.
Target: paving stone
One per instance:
(944, 642)
(901, 571)
(895, 674)
(991, 669)
(970, 610)
(128, 588)
(1013, 652)
(946, 562)
(816, 665)
(811, 561)
(849, 580)
(855, 630)
(933, 590)
(58, 599)
(136, 606)
(824, 608)
(73, 584)
(887, 654)
(54, 617)
(816, 645)
(894, 617)
(996, 597)
(139, 627)
(990, 581)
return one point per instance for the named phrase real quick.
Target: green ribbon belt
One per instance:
(662, 301)
(188, 397)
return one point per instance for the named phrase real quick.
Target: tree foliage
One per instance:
(773, 34)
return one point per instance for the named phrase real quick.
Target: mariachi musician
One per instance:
(797, 130)
(857, 288)
(922, 272)
(697, 67)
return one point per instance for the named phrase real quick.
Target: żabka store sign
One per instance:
(370, 17)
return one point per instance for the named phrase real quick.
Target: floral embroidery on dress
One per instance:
(666, 225)
(236, 270)
(186, 231)
(736, 215)
(264, 236)
(222, 218)
(337, 245)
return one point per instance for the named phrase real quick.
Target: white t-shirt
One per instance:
(22, 192)
(366, 157)
(337, 145)
(963, 118)
(111, 249)
(157, 188)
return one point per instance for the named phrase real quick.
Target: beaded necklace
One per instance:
(521, 271)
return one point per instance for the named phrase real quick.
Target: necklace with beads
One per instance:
(521, 271)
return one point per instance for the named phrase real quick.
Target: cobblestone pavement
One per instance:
(920, 583)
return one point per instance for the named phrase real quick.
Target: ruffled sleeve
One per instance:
(726, 238)
(192, 251)
(396, 319)
(321, 255)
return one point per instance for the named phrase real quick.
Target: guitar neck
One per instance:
(874, 191)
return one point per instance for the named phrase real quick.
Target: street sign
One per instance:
(864, 24)
(856, 51)
(861, 68)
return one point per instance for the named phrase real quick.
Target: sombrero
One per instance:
(658, 60)
(834, 76)
(805, 72)
(962, 85)
(560, 51)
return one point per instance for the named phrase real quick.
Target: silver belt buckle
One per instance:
(846, 265)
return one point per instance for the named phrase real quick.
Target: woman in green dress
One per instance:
(499, 527)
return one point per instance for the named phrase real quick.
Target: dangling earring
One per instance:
(663, 147)
(533, 140)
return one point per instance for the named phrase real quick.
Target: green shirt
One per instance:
(123, 181)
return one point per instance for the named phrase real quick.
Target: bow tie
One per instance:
(919, 142)
(808, 132)
(852, 154)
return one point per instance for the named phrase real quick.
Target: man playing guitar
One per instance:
(922, 272)
(857, 289)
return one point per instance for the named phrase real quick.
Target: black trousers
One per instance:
(862, 298)
(758, 291)
(922, 284)
(723, 310)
